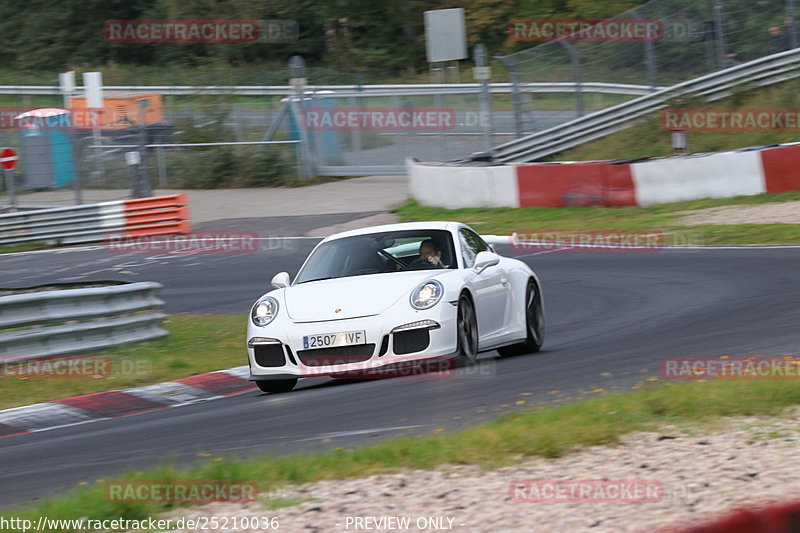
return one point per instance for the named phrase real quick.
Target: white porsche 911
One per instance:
(367, 299)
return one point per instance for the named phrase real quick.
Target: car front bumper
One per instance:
(276, 351)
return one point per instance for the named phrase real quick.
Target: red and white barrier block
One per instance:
(610, 183)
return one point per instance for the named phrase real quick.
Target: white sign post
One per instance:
(67, 82)
(93, 91)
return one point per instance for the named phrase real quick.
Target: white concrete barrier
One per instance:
(657, 181)
(455, 187)
(717, 175)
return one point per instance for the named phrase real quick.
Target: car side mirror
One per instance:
(484, 260)
(281, 280)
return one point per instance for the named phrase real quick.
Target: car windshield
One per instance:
(379, 253)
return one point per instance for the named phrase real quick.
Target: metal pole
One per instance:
(355, 134)
(143, 172)
(140, 179)
(78, 189)
(515, 93)
(162, 167)
(441, 138)
(720, 33)
(401, 138)
(79, 156)
(12, 193)
(649, 58)
(577, 75)
(96, 140)
(78, 170)
(483, 74)
(650, 64)
(297, 79)
(791, 26)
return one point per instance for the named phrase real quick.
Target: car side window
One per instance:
(471, 245)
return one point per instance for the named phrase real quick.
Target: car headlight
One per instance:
(265, 311)
(427, 295)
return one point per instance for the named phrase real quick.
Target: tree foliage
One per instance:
(348, 35)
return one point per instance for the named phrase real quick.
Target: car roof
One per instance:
(431, 225)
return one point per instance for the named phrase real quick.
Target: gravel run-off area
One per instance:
(768, 213)
(698, 474)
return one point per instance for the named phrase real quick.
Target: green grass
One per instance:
(196, 344)
(646, 138)
(24, 247)
(546, 432)
(664, 217)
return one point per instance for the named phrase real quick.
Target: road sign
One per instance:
(445, 35)
(8, 158)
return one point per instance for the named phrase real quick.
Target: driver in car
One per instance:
(430, 256)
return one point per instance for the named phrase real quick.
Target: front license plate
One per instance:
(330, 340)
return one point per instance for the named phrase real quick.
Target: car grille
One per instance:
(269, 354)
(339, 355)
(413, 340)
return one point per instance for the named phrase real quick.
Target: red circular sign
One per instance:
(8, 158)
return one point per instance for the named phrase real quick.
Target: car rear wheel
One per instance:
(276, 385)
(467, 332)
(534, 324)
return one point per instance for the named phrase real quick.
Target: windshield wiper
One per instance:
(315, 279)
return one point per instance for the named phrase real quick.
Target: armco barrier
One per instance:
(610, 183)
(759, 72)
(159, 215)
(69, 321)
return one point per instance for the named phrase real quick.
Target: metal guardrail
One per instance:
(376, 90)
(160, 215)
(70, 321)
(757, 73)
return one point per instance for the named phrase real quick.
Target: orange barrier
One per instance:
(156, 202)
(157, 215)
(162, 215)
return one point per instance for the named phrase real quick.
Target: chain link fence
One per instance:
(430, 127)
(699, 37)
(264, 141)
(194, 146)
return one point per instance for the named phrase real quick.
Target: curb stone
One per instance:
(126, 402)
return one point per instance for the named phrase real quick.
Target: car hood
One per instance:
(353, 297)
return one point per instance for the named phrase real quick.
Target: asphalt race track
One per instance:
(615, 314)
